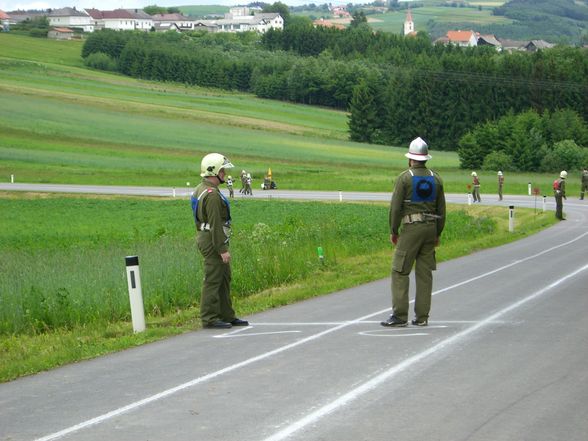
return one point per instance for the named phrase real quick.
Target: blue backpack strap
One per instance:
(194, 201)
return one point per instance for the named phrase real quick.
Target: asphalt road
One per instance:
(505, 358)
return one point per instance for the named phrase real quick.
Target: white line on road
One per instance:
(394, 370)
(166, 393)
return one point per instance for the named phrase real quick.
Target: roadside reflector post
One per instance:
(174, 192)
(469, 199)
(529, 186)
(544, 202)
(511, 218)
(12, 179)
(135, 294)
(340, 196)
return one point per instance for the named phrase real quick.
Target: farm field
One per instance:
(394, 21)
(63, 123)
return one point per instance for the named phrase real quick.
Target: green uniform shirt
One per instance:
(403, 202)
(562, 187)
(585, 177)
(214, 211)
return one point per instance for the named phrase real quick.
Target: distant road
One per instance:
(184, 192)
(505, 358)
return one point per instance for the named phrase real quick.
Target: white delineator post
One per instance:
(135, 294)
(12, 179)
(340, 196)
(544, 202)
(469, 199)
(529, 186)
(511, 218)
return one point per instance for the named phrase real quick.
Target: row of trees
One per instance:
(394, 87)
(529, 141)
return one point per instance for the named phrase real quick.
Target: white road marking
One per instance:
(166, 393)
(357, 392)
(395, 334)
(251, 334)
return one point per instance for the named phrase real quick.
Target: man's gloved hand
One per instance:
(394, 239)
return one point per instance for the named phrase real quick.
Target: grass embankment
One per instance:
(63, 282)
(63, 123)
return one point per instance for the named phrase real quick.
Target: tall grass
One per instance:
(62, 258)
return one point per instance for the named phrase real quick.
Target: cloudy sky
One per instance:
(105, 5)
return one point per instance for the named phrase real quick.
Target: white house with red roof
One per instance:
(121, 19)
(4, 21)
(462, 38)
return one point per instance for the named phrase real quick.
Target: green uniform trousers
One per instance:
(559, 206)
(215, 300)
(416, 242)
(583, 190)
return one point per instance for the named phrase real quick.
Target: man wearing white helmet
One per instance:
(417, 219)
(559, 191)
(230, 187)
(476, 187)
(500, 184)
(212, 214)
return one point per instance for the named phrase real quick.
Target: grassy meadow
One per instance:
(63, 289)
(63, 123)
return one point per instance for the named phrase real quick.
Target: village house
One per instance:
(240, 20)
(462, 38)
(4, 21)
(71, 18)
(121, 19)
(60, 34)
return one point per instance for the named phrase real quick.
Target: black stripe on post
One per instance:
(133, 284)
(132, 260)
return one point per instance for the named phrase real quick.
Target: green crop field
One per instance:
(394, 21)
(63, 123)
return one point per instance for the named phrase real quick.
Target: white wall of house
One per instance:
(84, 22)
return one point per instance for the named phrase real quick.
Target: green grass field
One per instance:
(394, 21)
(63, 123)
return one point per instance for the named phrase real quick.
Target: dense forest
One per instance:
(394, 87)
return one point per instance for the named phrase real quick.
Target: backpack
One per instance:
(556, 185)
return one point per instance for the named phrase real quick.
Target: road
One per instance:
(504, 358)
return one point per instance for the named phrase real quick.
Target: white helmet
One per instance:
(499, 173)
(418, 150)
(474, 174)
(213, 163)
(563, 174)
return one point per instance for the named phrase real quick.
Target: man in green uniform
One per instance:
(500, 184)
(476, 187)
(559, 191)
(584, 183)
(213, 225)
(418, 205)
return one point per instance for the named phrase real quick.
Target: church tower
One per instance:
(408, 23)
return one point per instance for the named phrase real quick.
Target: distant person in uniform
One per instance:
(230, 187)
(476, 187)
(559, 191)
(212, 214)
(248, 189)
(500, 184)
(417, 219)
(243, 180)
(584, 183)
